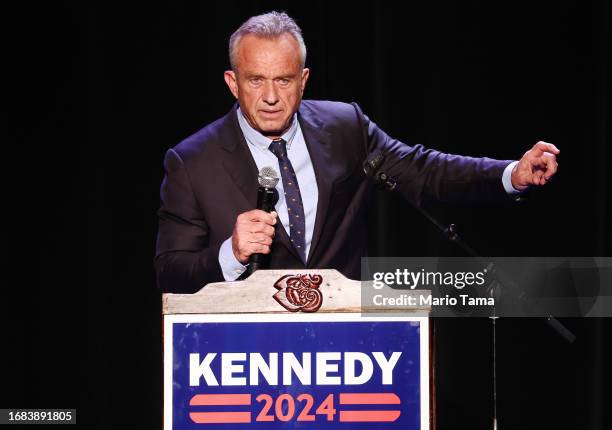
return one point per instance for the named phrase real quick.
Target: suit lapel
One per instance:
(318, 143)
(238, 162)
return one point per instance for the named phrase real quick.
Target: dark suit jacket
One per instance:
(211, 178)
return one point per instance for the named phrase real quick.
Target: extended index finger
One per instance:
(542, 147)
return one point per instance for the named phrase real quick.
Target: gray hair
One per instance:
(270, 26)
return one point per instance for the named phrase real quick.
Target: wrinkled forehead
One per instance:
(256, 54)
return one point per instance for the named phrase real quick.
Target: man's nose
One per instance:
(270, 94)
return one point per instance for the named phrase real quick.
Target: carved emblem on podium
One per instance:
(299, 292)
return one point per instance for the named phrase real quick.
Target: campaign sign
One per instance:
(317, 371)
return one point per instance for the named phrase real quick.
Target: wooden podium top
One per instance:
(282, 291)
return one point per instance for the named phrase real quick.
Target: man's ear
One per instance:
(305, 75)
(230, 80)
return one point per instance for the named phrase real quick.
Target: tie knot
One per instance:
(278, 148)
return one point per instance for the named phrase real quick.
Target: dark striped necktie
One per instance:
(295, 208)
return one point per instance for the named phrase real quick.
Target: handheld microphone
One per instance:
(267, 196)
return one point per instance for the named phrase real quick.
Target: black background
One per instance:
(97, 95)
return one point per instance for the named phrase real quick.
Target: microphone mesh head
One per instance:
(268, 178)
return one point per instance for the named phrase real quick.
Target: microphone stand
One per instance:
(371, 168)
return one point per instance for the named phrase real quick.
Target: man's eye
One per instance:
(255, 81)
(283, 81)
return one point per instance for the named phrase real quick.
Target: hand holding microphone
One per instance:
(254, 230)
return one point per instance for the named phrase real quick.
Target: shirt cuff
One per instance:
(507, 180)
(230, 266)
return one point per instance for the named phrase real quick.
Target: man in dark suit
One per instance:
(208, 228)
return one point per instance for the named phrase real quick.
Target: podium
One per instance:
(294, 349)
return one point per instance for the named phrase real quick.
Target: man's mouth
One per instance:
(270, 112)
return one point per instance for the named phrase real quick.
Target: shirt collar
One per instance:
(255, 138)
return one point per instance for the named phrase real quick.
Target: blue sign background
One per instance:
(298, 337)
